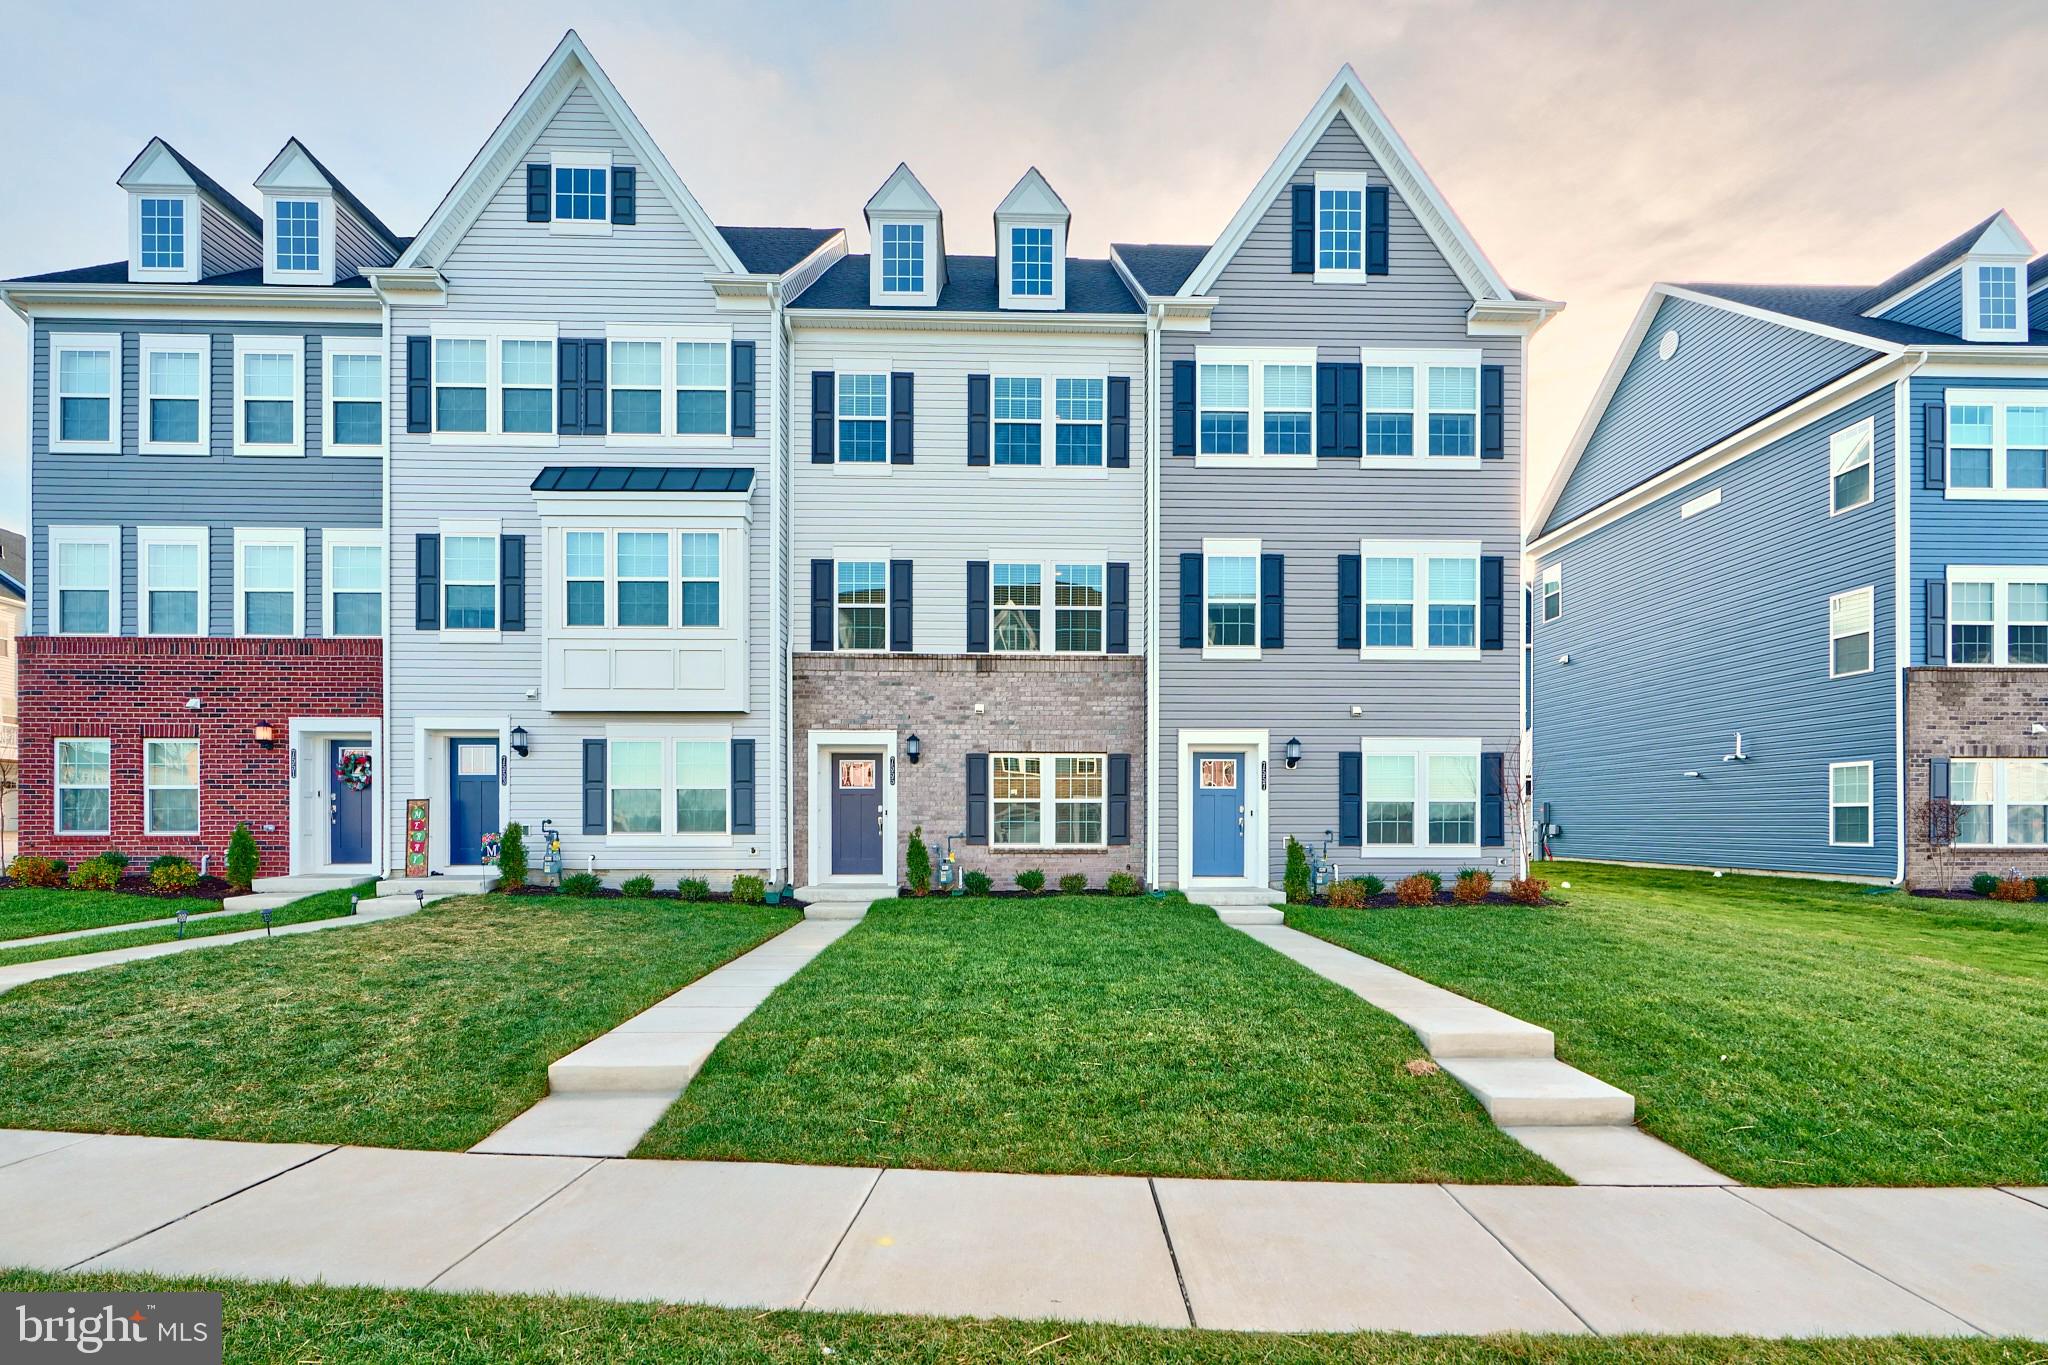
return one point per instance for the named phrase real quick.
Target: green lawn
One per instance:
(27, 911)
(325, 905)
(1785, 1032)
(275, 1324)
(1079, 1034)
(429, 1031)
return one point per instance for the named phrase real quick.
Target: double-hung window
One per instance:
(355, 394)
(583, 560)
(270, 580)
(86, 393)
(902, 258)
(1421, 599)
(1998, 616)
(495, 383)
(161, 239)
(1255, 407)
(1421, 793)
(1849, 466)
(670, 383)
(1048, 800)
(699, 557)
(670, 783)
(354, 575)
(1230, 591)
(1421, 407)
(469, 580)
(2000, 802)
(170, 770)
(270, 381)
(174, 571)
(1018, 604)
(1079, 599)
(1850, 804)
(863, 418)
(862, 604)
(635, 387)
(1553, 592)
(1019, 417)
(1031, 262)
(1997, 443)
(462, 381)
(85, 567)
(701, 401)
(1851, 616)
(642, 579)
(175, 394)
(84, 793)
(1078, 414)
(526, 384)
(1016, 601)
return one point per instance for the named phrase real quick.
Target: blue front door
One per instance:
(349, 810)
(472, 798)
(1219, 814)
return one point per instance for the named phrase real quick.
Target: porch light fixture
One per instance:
(1293, 752)
(520, 739)
(263, 734)
(913, 747)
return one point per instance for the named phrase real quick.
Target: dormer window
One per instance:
(1031, 262)
(163, 234)
(1031, 246)
(1998, 297)
(902, 258)
(298, 236)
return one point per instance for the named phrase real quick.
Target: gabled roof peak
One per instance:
(295, 167)
(902, 192)
(1996, 235)
(1033, 196)
(159, 164)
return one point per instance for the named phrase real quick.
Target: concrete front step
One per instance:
(1248, 915)
(1237, 897)
(256, 901)
(1536, 1092)
(842, 901)
(305, 884)
(454, 884)
(633, 1062)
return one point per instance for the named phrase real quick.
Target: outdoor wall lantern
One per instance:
(263, 734)
(913, 747)
(1293, 752)
(520, 741)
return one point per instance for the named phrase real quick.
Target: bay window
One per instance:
(642, 592)
(1255, 406)
(1048, 800)
(669, 783)
(1421, 793)
(175, 370)
(583, 561)
(84, 794)
(269, 580)
(85, 575)
(1421, 599)
(644, 579)
(1998, 615)
(85, 397)
(1997, 443)
(1421, 407)
(270, 382)
(171, 786)
(173, 565)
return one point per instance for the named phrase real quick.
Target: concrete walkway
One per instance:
(1276, 1256)
(97, 930)
(604, 1096)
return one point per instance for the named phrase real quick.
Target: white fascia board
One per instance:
(928, 320)
(292, 169)
(198, 302)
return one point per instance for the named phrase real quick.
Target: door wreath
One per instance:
(354, 772)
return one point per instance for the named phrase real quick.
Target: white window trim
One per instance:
(1341, 180)
(294, 346)
(494, 529)
(1422, 750)
(1048, 425)
(1973, 328)
(869, 554)
(1223, 548)
(56, 785)
(668, 736)
(1048, 800)
(884, 369)
(187, 273)
(335, 537)
(494, 433)
(586, 160)
(2001, 804)
(1255, 359)
(1006, 249)
(1420, 552)
(85, 341)
(1418, 363)
(294, 536)
(150, 789)
(1869, 595)
(147, 536)
(668, 337)
(1866, 432)
(1553, 577)
(674, 533)
(1998, 400)
(331, 347)
(109, 536)
(1048, 584)
(1870, 806)
(190, 343)
(929, 294)
(2001, 578)
(326, 273)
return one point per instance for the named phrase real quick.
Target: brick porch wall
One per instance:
(1970, 713)
(1029, 705)
(128, 689)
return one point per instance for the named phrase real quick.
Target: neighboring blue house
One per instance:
(1791, 578)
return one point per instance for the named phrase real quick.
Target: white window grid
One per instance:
(678, 781)
(1998, 616)
(171, 560)
(270, 370)
(1421, 408)
(270, 560)
(1421, 794)
(353, 380)
(84, 767)
(352, 565)
(1997, 444)
(85, 561)
(1255, 407)
(1852, 806)
(85, 369)
(177, 384)
(1428, 610)
(474, 371)
(691, 370)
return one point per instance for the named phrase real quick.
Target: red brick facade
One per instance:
(129, 689)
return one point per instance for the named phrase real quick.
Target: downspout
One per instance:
(1902, 587)
(779, 700)
(385, 824)
(1152, 594)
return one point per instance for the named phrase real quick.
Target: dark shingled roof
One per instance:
(586, 478)
(1839, 306)
(360, 209)
(247, 216)
(116, 272)
(774, 250)
(1092, 287)
(2038, 271)
(1922, 268)
(1159, 268)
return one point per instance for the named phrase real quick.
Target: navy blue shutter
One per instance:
(899, 605)
(537, 192)
(1937, 620)
(822, 388)
(1492, 823)
(902, 418)
(579, 386)
(512, 582)
(625, 206)
(1937, 790)
(1119, 798)
(1119, 413)
(593, 786)
(977, 798)
(1350, 611)
(821, 604)
(1116, 630)
(1191, 601)
(1493, 442)
(977, 606)
(743, 388)
(1934, 445)
(743, 786)
(1375, 229)
(1350, 798)
(1183, 407)
(1272, 602)
(1492, 572)
(419, 384)
(426, 578)
(1338, 408)
(977, 419)
(594, 411)
(1304, 229)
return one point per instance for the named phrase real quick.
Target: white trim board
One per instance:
(819, 745)
(1258, 853)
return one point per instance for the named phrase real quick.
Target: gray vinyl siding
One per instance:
(355, 246)
(1312, 516)
(1681, 632)
(506, 268)
(1938, 307)
(940, 512)
(1729, 371)
(218, 490)
(225, 246)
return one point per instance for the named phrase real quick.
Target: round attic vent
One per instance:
(1667, 345)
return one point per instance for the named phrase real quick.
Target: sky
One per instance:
(1592, 147)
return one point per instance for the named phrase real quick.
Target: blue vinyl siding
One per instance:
(1729, 371)
(1938, 307)
(1682, 632)
(1964, 530)
(2037, 311)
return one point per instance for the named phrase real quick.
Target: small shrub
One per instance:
(1416, 890)
(1473, 886)
(95, 874)
(32, 871)
(1435, 879)
(1350, 894)
(115, 856)
(1031, 881)
(582, 884)
(172, 873)
(1123, 884)
(694, 889)
(2041, 888)
(917, 864)
(1527, 890)
(976, 883)
(637, 888)
(512, 857)
(2013, 889)
(1296, 882)
(1984, 883)
(243, 858)
(1073, 884)
(748, 890)
(1373, 885)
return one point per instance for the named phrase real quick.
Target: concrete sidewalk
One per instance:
(1277, 1256)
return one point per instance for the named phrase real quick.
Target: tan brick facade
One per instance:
(1970, 713)
(1029, 705)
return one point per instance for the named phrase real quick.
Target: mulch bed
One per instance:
(1931, 893)
(138, 884)
(903, 894)
(1386, 901)
(612, 893)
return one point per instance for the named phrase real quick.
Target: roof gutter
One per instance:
(903, 319)
(25, 298)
